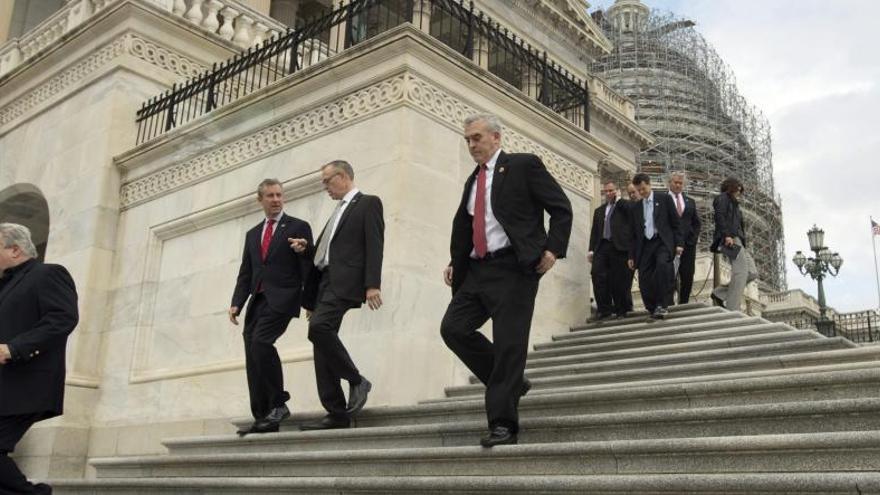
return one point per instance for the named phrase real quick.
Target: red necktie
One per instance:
(480, 243)
(267, 238)
(678, 205)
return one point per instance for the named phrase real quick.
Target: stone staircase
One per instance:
(707, 401)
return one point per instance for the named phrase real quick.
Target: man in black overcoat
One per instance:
(38, 310)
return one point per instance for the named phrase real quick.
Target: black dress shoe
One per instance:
(526, 386)
(716, 300)
(599, 317)
(326, 423)
(500, 435)
(659, 313)
(42, 489)
(277, 414)
(259, 426)
(357, 396)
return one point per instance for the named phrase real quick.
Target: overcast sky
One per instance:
(813, 68)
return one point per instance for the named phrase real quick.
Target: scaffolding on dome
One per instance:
(687, 97)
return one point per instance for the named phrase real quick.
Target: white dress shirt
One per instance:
(346, 200)
(496, 238)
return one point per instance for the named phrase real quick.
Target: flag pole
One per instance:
(876, 272)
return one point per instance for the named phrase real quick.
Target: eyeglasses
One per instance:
(328, 179)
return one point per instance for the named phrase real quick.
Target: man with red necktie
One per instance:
(689, 222)
(272, 277)
(499, 251)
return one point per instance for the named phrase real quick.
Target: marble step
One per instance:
(819, 383)
(760, 419)
(691, 371)
(832, 451)
(599, 353)
(617, 327)
(573, 366)
(657, 337)
(640, 315)
(669, 334)
(818, 483)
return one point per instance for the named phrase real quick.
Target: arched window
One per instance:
(24, 204)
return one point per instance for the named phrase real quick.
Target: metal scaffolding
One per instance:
(686, 96)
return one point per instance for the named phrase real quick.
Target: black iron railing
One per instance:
(454, 22)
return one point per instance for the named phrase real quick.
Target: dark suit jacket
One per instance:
(282, 274)
(621, 226)
(37, 313)
(666, 224)
(356, 251)
(689, 221)
(728, 220)
(522, 189)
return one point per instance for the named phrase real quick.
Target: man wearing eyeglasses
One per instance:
(348, 262)
(272, 277)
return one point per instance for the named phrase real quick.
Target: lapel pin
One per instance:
(501, 170)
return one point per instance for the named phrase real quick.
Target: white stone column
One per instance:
(337, 35)
(80, 10)
(179, 7)
(260, 31)
(531, 82)
(422, 15)
(481, 51)
(227, 31)
(210, 22)
(194, 14)
(243, 35)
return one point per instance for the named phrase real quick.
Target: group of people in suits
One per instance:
(652, 232)
(499, 250)
(656, 233)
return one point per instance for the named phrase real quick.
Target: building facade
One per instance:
(147, 205)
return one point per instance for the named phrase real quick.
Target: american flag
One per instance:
(875, 227)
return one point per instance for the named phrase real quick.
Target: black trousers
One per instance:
(332, 361)
(656, 273)
(262, 327)
(611, 279)
(12, 481)
(498, 289)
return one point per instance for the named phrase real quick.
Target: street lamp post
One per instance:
(825, 263)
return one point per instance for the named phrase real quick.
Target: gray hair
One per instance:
(266, 183)
(677, 174)
(491, 120)
(343, 166)
(14, 234)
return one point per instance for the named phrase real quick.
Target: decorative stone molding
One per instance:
(200, 14)
(149, 51)
(569, 23)
(403, 88)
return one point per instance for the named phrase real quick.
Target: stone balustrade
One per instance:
(600, 90)
(791, 299)
(231, 20)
